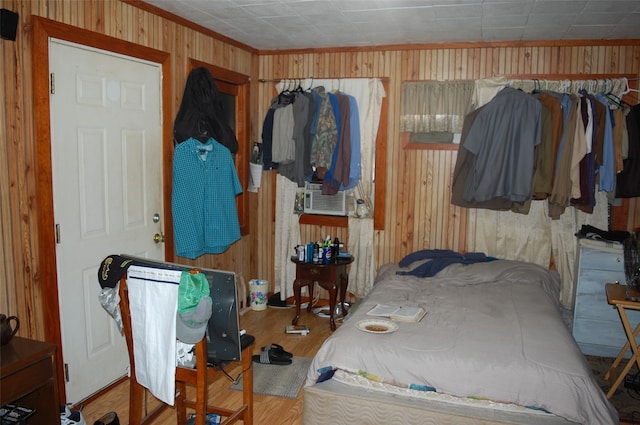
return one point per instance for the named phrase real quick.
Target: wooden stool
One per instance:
(617, 296)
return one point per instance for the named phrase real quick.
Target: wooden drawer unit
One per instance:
(596, 324)
(25, 380)
(28, 378)
(315, 272)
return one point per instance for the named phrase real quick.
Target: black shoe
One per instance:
(275, 301)
(110, 418)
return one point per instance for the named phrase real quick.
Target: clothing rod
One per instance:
(263, 80)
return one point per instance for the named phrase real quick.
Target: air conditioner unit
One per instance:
(317, 203)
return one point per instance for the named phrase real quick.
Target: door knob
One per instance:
(158, 238)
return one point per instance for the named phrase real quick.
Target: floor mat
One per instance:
(278, 381)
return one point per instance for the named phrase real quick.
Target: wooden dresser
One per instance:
(28, 378)
(596, 324)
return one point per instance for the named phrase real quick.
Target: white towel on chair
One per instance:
(153, 301)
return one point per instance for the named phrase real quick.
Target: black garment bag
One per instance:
(200, 115)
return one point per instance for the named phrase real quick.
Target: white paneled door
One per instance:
(106, 139)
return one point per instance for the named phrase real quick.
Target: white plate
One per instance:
(377, 326)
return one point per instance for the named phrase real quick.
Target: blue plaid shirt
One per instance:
(205, 186)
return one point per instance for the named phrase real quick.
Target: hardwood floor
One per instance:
(267, 327)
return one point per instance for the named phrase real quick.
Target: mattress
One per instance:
(334, 402)
(493, 331)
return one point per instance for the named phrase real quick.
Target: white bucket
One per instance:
(255, 177)
(259, 290)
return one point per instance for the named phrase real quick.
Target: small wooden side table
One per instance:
(28, 378)
(332, 277)
(617, 296)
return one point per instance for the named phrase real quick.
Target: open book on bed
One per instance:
(400, 313)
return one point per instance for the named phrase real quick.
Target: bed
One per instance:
(493, 348)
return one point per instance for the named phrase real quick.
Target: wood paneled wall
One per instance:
(417, 214)
(22, 283)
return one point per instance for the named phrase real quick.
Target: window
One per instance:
(432, 112)
(234, 88)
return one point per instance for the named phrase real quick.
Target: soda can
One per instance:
(326, 255)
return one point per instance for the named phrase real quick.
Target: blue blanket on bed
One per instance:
(440, 258)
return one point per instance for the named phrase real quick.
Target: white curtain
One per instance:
(368, 93)
(485, 89)
(430, 106)
(535, 236)
(360, 245)
(287, 236)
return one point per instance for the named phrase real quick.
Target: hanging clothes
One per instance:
(606, 170)
(286, 135)
(283, 148)
(502, 139)
(338, 173)
(587, 168)
(267, 141)
(628, 180)
(583, 141)
(281, 101)
(600, 111)
(565, 165)
(301, 137)
(552, 125)
(297, 167)
(463, 167)
(205, 186)
(619, 132)
(201, 114)
(326, 131)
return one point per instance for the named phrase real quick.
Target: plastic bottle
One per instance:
(316, 252)
(336, 249)
(309, 255)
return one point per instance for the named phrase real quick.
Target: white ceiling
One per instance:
(303, 24)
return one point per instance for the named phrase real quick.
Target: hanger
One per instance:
(536, 85)
(611, 98)
(284, 86)
(335, 90)
(617, 100)
(628, 89)
(203, 136)
(286, 95)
